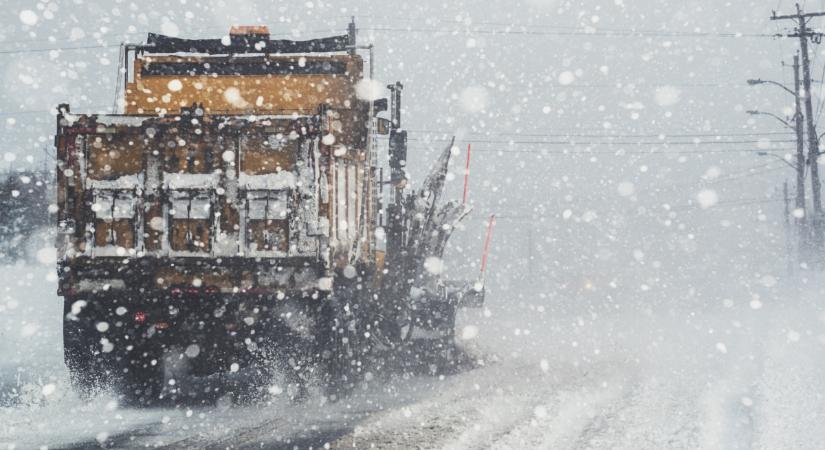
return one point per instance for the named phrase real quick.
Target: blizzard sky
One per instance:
(612, 201)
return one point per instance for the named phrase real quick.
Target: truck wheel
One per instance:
(341, 345)
(290, 352)
(82, 354)
(335, 350)
(141, 376)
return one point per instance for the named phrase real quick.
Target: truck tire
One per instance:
(342, 346)
(88, 365)
(140, 376)
(336, 350)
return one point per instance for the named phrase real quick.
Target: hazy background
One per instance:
(632, 117)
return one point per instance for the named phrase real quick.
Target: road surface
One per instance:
(737, 373)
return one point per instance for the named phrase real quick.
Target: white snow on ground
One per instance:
(728, 376)
(31, 366)
(736, 365)
(30, 326)
(629, 380)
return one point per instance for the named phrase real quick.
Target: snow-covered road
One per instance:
(736, 373)
(747, 382)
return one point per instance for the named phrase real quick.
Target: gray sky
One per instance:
(567, 72)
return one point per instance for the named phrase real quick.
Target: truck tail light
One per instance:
(211, 290)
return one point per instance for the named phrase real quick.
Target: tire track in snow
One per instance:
(466, 411)
(789, 384)
(570, 418)
(490, 408)
(653, 415)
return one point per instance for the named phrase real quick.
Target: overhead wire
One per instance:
(730, 204)
(582, 32)
(507, 31)
(40, 50)
(653, 143)
(621, 152)
(748, 174)
(45, 111)
(447, 21)
(524, 216)
(704, 181)
(145, 32)
(605, 135)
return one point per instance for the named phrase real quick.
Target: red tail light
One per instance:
(140, 317)
(211, 290)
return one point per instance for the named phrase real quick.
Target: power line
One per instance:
(573, 142)
(39, 50)
(46, 111)
(585, 152)
(552, 214)
(651, 135)
(749, 174)
(586, 30)
(731, 203)
(84, 47)
(581, 32)
(506, 31)
(623, 86)
(104, 44)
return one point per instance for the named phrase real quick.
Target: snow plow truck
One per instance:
(234, 208)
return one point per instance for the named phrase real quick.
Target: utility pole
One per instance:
(788, 240)
(801, 222)
(804, 34)
(800, 138)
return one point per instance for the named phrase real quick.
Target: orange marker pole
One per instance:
(466, 174)
(490, 226)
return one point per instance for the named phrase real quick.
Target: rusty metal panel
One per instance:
(267, 153)
(191, 153)
(190, 235)
(113, 155)
(117, 232)
(267, 235)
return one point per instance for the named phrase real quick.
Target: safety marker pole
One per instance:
(490, 226)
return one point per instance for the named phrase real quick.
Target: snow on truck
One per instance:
(236, 210)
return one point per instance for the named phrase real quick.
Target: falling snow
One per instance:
(653, 279)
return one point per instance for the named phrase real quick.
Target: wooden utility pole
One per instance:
(804, 34)
(799, 119)
(788, 240)
(801, 222)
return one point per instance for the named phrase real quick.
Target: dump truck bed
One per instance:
(225, 203)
